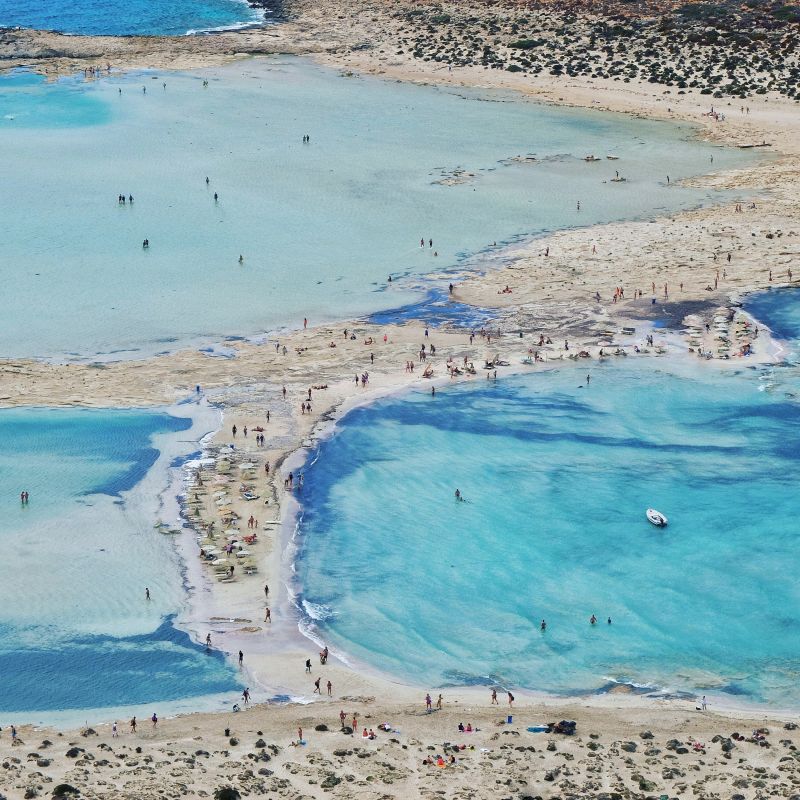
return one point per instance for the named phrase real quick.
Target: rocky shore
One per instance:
(675, 752)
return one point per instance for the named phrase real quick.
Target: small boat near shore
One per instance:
(592, 158)
(656, 518)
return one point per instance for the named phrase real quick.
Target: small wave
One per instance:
(317, 611)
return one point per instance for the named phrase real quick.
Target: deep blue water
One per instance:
(98, 671)
(779, 309)
(128, 17)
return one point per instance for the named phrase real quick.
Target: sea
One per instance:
(557, 473)
(131, 17)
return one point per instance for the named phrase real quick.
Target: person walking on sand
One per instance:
(330, 689)
(316, 686)
(494, 698)
(208, 640)
(428, 703)
(133, 724)
(114, 733)
(299, 734)
(510, 700)
(439, 701)
(266, 586)
(154, 720)
(146, 593)
(246, 695)
(703, 703)
(267, 615)
(308, 665)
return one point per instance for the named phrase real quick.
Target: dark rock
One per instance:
(629, 747)
(65, 790)
(89, 732)
(43, 762)
(321, 727)
(347, 730)
(330, 781)
(233, 741)
(74, 752)
(646, 735)
(260, 743)
(226, 793)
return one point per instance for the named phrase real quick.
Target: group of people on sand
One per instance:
(496, 702)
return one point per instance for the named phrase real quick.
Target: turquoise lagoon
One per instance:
(321, 226)
(75, 629)
(557, 476)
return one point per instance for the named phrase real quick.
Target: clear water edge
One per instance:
(640, 693)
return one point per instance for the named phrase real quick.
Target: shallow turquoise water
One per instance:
(320, 226)
(128, 17)
(557, 477)
(75, 629)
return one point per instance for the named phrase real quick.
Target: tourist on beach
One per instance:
(154, 720)
(703, 703)
(300, 735)
(241, 658)
(114, 730)
(330, 689)
(133, 724)
(208, 641)
(510, 700)
(342, 717)
(439, 701)
(308, 665)
(428, 703)
(593, 620)
(246, 696)
(494, 698)
(267, 615)
(266, 586)
(146, 593)
(316, 686)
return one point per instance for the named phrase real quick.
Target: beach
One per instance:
(687, 270)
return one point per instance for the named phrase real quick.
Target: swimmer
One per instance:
(593, 620)
(543, 626)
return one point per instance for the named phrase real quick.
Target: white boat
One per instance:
(656, 517)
